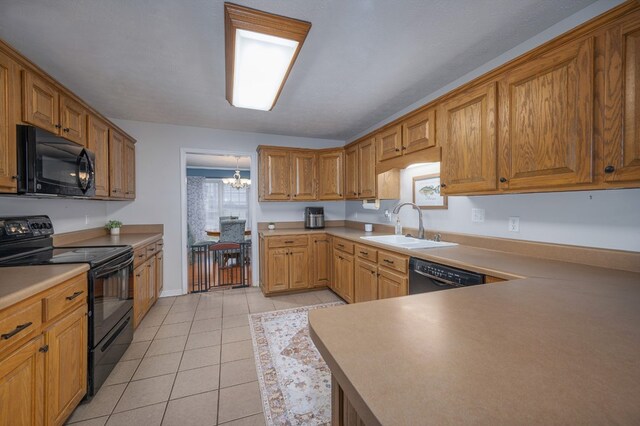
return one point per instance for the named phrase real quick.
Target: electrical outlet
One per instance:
(514, 224)
(477, 215)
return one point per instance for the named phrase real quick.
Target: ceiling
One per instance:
(364, 60)
(218, 161)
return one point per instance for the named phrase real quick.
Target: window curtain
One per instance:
(196, 217)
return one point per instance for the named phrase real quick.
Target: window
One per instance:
(223, 200)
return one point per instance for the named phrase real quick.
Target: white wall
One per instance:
(158, 180)
(66, 214)
(607, 219)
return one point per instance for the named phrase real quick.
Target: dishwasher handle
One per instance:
(441, 282)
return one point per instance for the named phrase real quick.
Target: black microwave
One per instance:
(51, 165)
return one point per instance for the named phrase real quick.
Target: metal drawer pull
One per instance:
(44, 349)
(141, 255)
(74, 295)
(388, 261)
(364, 253)
(288, 242)
(340, 245)
(17, 330)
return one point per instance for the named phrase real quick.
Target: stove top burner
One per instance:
(92, 255)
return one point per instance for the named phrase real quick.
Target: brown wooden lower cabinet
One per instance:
(366, 281)
(321, 260)
(343, 271)
(148, 279)
(343, 413)
(43, 369)
(392, 284)
(66, 365)
(22, 385)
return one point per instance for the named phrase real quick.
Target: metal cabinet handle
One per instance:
(141, 255)
(443, 185)
(66, 130)
(609, 169)
(364, 253)
(288, 242)
(16, 330)
(58, 126)
(503, 179)
(44, 349)
(74, 295)
(389, 261)
(340, 245)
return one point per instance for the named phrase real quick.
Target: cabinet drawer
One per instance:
(139, 256)
(392, 261)
(70, 294)
(287, 241)
(151, 249)
(19, 322)
(159, 245)
(343, 245)
(366, 252)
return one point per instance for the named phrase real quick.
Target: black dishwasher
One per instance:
(425, 276)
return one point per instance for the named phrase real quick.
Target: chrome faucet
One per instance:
(397, 208)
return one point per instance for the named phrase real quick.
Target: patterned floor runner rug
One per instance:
(295, 382)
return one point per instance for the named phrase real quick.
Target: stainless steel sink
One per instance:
(409, 243)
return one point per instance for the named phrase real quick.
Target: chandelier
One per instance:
(236, 181)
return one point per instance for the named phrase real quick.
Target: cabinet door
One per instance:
(389, 143)
(98, 142)
(547, 120)
(73, 118)
(391, 284)
(336, 271)
(151, 282)
(347, 267)
(66, 365)
(8, 182)
(622, 102)
(418, 132)
(40, 103)
(321, 261)
(298, 267)
(365, 281)
(351, 173)
(303, 174)
(367, 169)
(22, 385)
(140, 298)
(468, 135)
(159, 273)
(129, 153)
(277, 269)
(331, 175)
(116, 164)
(275, 175)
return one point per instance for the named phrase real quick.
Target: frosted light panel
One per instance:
(261, 62)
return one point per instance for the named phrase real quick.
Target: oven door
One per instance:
(110, 296)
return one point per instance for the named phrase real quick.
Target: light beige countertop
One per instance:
(128, 239)
(557, 344)
(18, 283)
(534, 351)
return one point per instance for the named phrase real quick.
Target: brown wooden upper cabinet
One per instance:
(98, 142)
(275, 183)
(303, 175)
(8, 180)
(331, 175)
(43, 105)
(116, 164)
(419, 132)
(622, 102)
(129, 154)
(389, 143)
(351, 173)
(546, 107)
(367, 169)
(468, 138)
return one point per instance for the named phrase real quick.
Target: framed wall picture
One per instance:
(426, 192)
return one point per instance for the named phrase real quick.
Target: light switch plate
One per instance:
(477, 215)
(514, 224)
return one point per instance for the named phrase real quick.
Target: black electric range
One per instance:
(27, 241)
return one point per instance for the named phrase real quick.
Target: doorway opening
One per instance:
(218, 220)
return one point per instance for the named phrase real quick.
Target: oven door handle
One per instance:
(441, 282)
(102, 273)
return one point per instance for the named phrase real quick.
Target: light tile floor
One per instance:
(191, 363)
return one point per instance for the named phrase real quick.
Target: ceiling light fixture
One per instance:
(236, 181)
(261, 49)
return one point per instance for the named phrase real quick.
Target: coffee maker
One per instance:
(314, 217)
